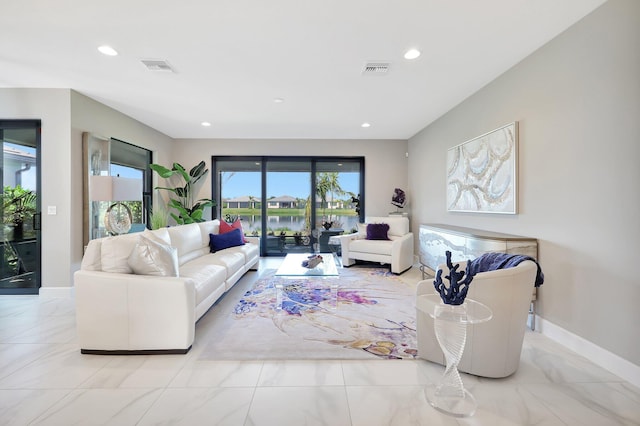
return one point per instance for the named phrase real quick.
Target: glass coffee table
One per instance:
(291, 267)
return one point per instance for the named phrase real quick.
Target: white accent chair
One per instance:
(492, 348)
(397, 251)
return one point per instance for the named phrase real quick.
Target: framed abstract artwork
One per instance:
(482, 173)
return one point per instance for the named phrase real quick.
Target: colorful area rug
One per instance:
(365, 313)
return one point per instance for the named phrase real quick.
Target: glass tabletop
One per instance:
(475, 312)
(292, 266)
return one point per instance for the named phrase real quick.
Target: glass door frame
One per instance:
(314, 160)
(36, 125)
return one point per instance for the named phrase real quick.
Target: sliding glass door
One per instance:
(20, 211)
(273, 198)
(288, 197)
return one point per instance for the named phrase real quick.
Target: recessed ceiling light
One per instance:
(412, 54)
(205, 124)
(365, 125)
(278, 100)
(107, 50)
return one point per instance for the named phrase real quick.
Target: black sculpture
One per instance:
(399, 199)
(456, 292)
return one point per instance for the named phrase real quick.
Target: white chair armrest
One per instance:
(402, 253)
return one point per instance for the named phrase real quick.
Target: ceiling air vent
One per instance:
(157, 65)
(376, 68)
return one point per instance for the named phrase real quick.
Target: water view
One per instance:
(252, 224)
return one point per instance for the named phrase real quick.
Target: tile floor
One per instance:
(44, 380)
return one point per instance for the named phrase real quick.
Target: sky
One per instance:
(281, 183)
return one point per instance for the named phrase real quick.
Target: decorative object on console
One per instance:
(482, 172)
(117, 219)
(399, 198)
(313, 261)
(459, 282)
(186, 186)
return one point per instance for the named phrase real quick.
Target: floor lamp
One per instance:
(116, 189)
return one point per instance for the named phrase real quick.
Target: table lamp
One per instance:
(118, 218)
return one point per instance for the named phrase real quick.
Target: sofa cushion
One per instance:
(161, 234)
(371, 246)
(91, 258)
(151, 256)
(188, 240)
(219, 242)
(232, 260)
(377, 231)
(115, 251)
(206, 228)
(207, 277)
(250, 251)
(227, 227)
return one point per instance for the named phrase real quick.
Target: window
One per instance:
(272, 197)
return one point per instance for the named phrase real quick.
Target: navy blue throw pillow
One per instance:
(377, 231)
(219, 242)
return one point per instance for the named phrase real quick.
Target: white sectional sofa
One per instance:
(120, 312)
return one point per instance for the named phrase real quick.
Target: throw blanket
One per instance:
(493, 261)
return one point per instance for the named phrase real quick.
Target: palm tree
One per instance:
(328, 183)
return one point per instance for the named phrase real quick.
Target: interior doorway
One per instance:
(20, 208)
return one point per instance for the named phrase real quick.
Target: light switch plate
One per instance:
(52, 210)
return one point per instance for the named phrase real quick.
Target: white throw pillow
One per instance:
(151, 256)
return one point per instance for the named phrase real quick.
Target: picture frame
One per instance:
(482, 173)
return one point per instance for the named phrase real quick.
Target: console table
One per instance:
(466, 244)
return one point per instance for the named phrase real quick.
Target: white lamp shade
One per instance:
(100, 188)
(114, 188)
(127, 189)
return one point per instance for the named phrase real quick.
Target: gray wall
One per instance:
(65, 114)
(385, 160)
(577, 100)
(90, 116)
(52, 106)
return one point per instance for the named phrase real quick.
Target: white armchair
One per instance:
(397, 251)
(492, 348)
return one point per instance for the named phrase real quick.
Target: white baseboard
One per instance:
(594, 353)
(56, 292)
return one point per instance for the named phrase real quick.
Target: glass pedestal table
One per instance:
(450, 326)
(292, 267)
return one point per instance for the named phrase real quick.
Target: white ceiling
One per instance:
(233, 57)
